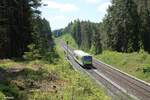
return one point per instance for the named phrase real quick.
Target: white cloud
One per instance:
(95, 1)
(103, 7)
(62, 7)
(54, 12)
(59, 18)
(58, 21)
(92, 1)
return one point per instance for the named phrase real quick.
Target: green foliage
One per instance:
(41, 80)
(80, 86)
(2, 96)
(43, 45)
(122, 26)
(9, 90)
(133, 63)
(23, 30)
(96, 47)
(33, 54)
(67, 37)
(125, 28)
(146, 70)
(16, 28)
(85, 34)
(143, 11)
(38, 80)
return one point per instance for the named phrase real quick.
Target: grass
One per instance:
(40, 80)
(131, 63)
(67, 37)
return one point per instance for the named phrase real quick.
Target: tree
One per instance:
(16, 28)
(122, 25)
(96, 47)
(23, 30)
(86, 35)
(43, 43)
(144, 12)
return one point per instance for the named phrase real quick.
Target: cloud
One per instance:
(92, 1)
(58, 21)
(56, 10)
(95, 1)
(59, 18)
(62, 7)
(103, 7)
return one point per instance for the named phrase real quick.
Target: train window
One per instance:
(88, 58)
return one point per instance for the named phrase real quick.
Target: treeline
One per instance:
(86, 35)
(125, 28)
(22, 30)
(127, 25)
(42, 45)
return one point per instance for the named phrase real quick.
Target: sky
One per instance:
(61, 12)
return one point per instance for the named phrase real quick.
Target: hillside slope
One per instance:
(40, 80)
(136, 64)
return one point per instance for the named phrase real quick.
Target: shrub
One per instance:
(146, 70)
(2, 96)
(32, 54)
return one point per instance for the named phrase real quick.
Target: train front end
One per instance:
(87, 60)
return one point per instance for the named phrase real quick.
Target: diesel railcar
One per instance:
(82, 58)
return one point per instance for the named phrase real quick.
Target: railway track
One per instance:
(132, 86)
(120, 84)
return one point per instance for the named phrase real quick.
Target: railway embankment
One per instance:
(136, 64)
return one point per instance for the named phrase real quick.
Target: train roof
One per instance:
(80, 53)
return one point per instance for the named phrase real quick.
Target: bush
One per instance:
(2, 96)
(146, 70)
(51, 56)
(9, 90)
(33, 53)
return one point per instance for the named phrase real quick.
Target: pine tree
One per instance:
(96, 47)
(123, 26)
(145, 29)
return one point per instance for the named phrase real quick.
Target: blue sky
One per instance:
(60, 12)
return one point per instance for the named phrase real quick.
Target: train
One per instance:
(83, 58)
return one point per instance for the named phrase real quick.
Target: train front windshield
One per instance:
(88, 58)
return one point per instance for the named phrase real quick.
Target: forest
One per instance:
(23, 32)
(33, 66)
(125, 28)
